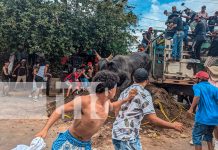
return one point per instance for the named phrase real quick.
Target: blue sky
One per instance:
(153, 9)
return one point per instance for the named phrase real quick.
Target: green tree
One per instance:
(61, 27)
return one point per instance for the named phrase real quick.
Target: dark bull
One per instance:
(125, 66)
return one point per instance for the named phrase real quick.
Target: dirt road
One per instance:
(15, 132)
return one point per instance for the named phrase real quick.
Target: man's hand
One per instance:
(178, 126)
(132, 94)
(42, 134)
(190, 113)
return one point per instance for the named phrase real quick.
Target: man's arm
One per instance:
(56, 115)
(5, 72)
(15, 68)
(157, 121)
(193, 105)
(115, 106)
(187, 17)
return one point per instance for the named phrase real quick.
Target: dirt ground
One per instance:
(15, 132)
(21, 118)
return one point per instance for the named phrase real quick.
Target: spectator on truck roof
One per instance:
(213, 51)
(200, 36)
(178, 37)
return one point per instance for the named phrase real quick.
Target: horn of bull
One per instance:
(98, 56)
(110, 57)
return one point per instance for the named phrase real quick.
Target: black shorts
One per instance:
(39, 81)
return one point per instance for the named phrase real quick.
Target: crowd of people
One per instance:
(135, 102)
(19, 70)
(183, 26)
(39, 75)
(79, 79)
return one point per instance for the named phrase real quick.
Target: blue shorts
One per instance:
(127, 145)
(66, 141)
(201, 133)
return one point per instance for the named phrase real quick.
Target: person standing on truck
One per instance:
(203, 14)
(213, 51)
(213, 21)
(178, 37)
(146, 41)
(206, 118)
(200, 36)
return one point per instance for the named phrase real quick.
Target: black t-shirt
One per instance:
(178, 21)
(22, 71)
(213, 20)
(148, 35)
(200, 31)
(213, 51)
(192, 17)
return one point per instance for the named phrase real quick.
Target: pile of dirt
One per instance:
(167, 107)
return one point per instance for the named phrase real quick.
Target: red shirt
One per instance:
(64, 60)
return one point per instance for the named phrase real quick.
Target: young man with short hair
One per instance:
(90, 113)
(206, 118)
(126, 127)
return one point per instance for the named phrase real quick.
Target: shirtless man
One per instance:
(90, 113)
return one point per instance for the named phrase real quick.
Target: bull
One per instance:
(124, 66)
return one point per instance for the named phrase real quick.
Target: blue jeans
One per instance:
(177, 44)
(186, 28)
(202, 132)
(127, 145)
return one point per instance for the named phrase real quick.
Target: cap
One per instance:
(202, 75)
(140, 75)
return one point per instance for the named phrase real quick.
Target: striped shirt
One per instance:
(127, 124)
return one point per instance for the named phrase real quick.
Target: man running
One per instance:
(90, 113)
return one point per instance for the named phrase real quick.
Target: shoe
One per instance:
(35, 98)
(191, 142)
(30, 96)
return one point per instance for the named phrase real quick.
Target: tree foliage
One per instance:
(60, 27)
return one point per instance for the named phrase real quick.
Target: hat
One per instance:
(213, 71)
(140, 75)
(202, 75)
(204, 6)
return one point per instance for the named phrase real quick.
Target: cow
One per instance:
(124, 66)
